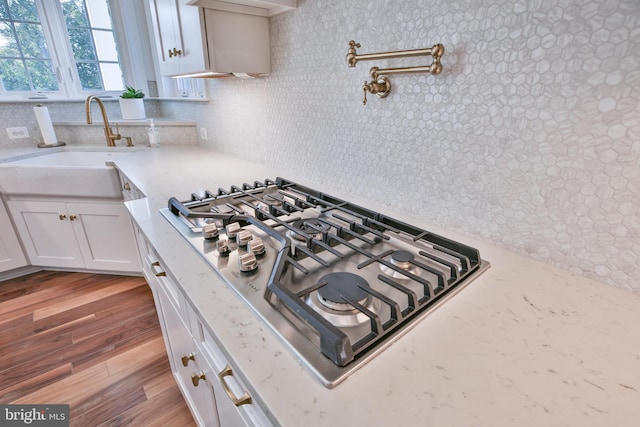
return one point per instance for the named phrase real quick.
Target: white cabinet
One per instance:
(191, 40)
(235, 404)
(190, 370)
(214, 394)
(180, 41)
(11, 255)
(85, 235)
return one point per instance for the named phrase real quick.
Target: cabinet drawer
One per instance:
(129, 190)
(158, 275)
(236, 406)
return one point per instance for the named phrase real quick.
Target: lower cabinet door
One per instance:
(189, 368)
(11, 255)
(105, 236)
(95, 236)
(47, 233)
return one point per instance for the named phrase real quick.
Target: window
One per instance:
(93, 44)
(25, 63)
(64, 48)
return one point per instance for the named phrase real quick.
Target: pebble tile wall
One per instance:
(529, 139)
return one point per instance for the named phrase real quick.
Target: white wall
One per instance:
(530, 138)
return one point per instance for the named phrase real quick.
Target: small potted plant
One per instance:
(131, 104)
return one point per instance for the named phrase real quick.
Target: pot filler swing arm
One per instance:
(380, 85)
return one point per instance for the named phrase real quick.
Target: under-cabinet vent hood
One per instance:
(251, 7)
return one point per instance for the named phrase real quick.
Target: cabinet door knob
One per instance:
(186, 357)
(195, 378)
(242, 400)
(62, 217)
(174, 52)
(127, 187)
(72, 217)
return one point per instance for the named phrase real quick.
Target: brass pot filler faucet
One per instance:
(380, 84)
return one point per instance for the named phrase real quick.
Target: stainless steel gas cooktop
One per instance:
(337, 283)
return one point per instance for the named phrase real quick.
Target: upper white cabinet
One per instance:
(206, 42)
(11, 255)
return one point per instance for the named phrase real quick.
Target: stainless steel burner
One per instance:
(313, 228)
(274, 199)
(402, 260)
(331, 300)
(340, 288)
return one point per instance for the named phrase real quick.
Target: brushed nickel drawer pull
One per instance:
(244, 399)
(186, 357)
(195, 378)
(158, 272)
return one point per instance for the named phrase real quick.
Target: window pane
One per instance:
(13, 75)
(32, 41)
(89, 76)
(82, 44)
(75, 13)
(23, 10)
(25, 64)
(112, 76)
(99, 14)
(93, 44)
(106, 46)
(4, 13)
(8, 43)
(42, 75)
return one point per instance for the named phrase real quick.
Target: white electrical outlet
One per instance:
(18, 132)
(203, 133)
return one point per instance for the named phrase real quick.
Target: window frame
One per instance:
(130, 32)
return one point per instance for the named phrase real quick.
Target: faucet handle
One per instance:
(365, 88)
(379, 86)
(351, 53)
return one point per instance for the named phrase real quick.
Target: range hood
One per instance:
(251, 7)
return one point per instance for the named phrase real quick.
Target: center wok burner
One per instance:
(338, 283)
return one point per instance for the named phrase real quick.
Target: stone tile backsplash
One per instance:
(68, 119)
(529, 139)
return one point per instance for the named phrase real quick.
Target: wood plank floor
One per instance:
(92, 341)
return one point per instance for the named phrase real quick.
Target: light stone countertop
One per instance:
(525, 344)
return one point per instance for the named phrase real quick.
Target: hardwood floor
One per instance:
(92, 341)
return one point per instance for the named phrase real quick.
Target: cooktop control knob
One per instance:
(243, 237)
(247, 262)
(232, 230)
(223, 246)
(256, 246)
(210, 231)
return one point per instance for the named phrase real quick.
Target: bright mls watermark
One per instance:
(34, 415)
